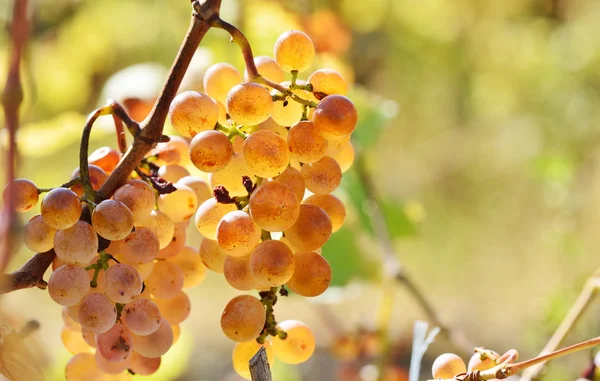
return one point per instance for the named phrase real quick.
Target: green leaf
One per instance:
(345, 257)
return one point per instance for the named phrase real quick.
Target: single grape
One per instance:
(37, 235)
(294, 51)
(112, 220)
(73, 341)
(298, 345)
(82, 367)
(77, 244)
(305, 143)
(111, 367)
(172, 152)
(327, 82)
(219, 79)
(68, 285)
(237, 233)
(210, 151)
(61, 208)
(179, 205)
(333, 206)
(106, 158)
(287, 112)
(192, 112)
(166, 280)
(190, 263)
(243, 318)
(122, 283)
(272, 263)
(176, 309)
(212, 255)
(249, 104)
(478, 363)
(89, 337)
(68, 321)
(271, 125)
(268, 68)
(208, 216)
(323, 176)
(335, 117)
(237, 273)
(266, 153)
(138, 196)
(231, 176)
(172, 172)
(144, 366)
(140, 246)
(199, 186)
(97, 179)
(97, 313)
(274, 206)
(312, 274)
(293, 179)
(243, 352)
(155, 344)
(311, 230)
(344, 155)
(176, 244)
(115, 344)
(141, 316)
(448, 365)
(24, 195)
(161, 225)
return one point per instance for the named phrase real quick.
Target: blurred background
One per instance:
(479, 130)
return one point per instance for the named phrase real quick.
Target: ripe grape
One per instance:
(37, 235)
(61, 208)
(68, 321)
(237, 273)
(97, 313)
(176, 332)
(231, 176)
(24, 195)
(271, 125)
(243, 318)
(292, 178)
(210, 151)
(287, 112)
(111, 367)
(68, 285)
(155, 344)
(448, 365)
(172, 152)
(144, 366)
(249, 104)
(190, 263)
(212, 255)
(175, 245)
(208, 216)
(243, 352)
(268, 68)
(323, 176)
(97, 178)
(305, 143)
(141, 316)
(219, 79)
(179, 205)
(175, 309)
(312, 274)
(77, 244)
(327, 82)
(172, 172)
(333, 206)
(272, 263)
(343, 154)
(140, 246)
(122, 283)
(192, 112)
(299, 344)
(73, 341)
(335, 117)
(112, 220)
(138, 196)
(165, 280)
(274, 206)
(312, 229)
(106, 158)
(199, 186)
(82, 367)
(237, 233)
(115, 344)
(266, 153)
(161, 225)
(294, 50)
(478, 363)
(89, 337)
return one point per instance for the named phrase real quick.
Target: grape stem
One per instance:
(268, 299)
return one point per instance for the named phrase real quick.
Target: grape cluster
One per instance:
(448, 365)
(273, 152)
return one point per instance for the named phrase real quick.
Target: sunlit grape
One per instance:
(111, 367)
(179, 205)
(97, 313)
(274, 206)
(323, 176)
(479, 362)
(97, 178)
(155, 344)
(115, 344)
(212, 255)
(243, 352)
(343, 154)
(37, 235)
(122, 283)
(294, 50)
(144, 366)
(293, 179)
(175, 309)
(299, 344)
(161, 225)
(447, 365)
(77, 244)
(249, 104)
(141, 316)
(210, 151)
(68, 321)
(192, 112)
(24, 195)
(335, 117)
(305, 143)
(190, 263)
(61, 208)
(311, 230)
(112, 220)
(208, 216)
(219, 79)
(175, 245)
(268, 68)
(82, 367)
(199, 186)
(172, 172)
(333, 206)
(272, 263)
(138, 196)
(73, 341)
(243, 318)
(312, 274)
(237, 273)
(231, 176)
(140, 246)
(68, 285)
(271, 125)
(165, 280)
(105, 158)
(175, 151)
(237, 233)
(266, 153)
(328, 82)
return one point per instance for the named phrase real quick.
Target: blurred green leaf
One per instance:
(346, 259)
(398, 222)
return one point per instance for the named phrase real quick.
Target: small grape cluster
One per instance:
(448, 365)
(273, 150)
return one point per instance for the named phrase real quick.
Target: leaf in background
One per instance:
(373, 113)
(356, 193)
(344, 255)
(398, 222)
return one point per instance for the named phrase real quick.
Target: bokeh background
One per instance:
(480, 130)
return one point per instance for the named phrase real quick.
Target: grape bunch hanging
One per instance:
(274, 150)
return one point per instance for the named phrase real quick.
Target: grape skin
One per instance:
(243, 318)
(311, 230)
(328, 82)
(249, 104)
(37, 235)
(144, 366)
(344, 155)
(312, 274)
(299, 344)
(199, 186)
(112, 220)
(322, 176)
(192, 112)
(165, 280)
(333, 206)
(140, 246)
(231, 176)
(237, 233)
(208, 216)
(115, 344)
(172, 172)
(106, 158)
(447, 365)
(142, 316)
(274, 206)
(122, 283)
(219, 79)
(97, 313)
(305, 143)
(24, 194)
(73, 341)
(161, 225)
(237, 273)
(155, 344)
(61, 208)
(272, 263)
(179, 205)
(82, 367)
(210, 151)
(266, 153)
(243, 352)
(77, 244)
(293, 179)
(68, 285)
(176, 244)
(97, 179)
(176, 309)
(268, 68)
(111, 367)
(335, 117)
(212, 255)
(189, 261)
(294, 50)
